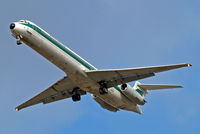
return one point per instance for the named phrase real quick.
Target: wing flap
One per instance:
(116, 82)
(61, 96)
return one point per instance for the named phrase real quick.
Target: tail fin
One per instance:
(145, 87)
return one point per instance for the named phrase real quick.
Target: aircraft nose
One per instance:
(12, 25)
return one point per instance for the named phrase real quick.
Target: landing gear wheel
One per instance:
(103, 90)
(19, 42)
(103, 87)
(76, 97)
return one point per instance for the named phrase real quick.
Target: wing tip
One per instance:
(189, 65)
(180, 86)
(17, 109)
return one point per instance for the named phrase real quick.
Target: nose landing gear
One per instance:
(19, 42)
(19, 37)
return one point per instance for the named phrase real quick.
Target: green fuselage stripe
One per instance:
(59, 45)
(62, 47)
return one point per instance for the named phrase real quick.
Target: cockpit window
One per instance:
(24, 21)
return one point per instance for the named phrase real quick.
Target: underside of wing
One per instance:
(121, 76)
(62, 89)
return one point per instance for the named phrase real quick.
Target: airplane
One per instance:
(109, 87)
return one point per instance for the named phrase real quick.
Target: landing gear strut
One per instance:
(19, 37)
(103, 87)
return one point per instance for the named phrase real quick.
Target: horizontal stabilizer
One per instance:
(155, 87)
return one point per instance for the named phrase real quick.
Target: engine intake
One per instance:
(124, 86)
(131, 93)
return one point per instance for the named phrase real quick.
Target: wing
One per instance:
(120, 76)
(62, 89)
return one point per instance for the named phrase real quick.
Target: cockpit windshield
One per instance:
(25, 21)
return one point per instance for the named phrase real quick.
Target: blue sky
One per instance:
(109, 34)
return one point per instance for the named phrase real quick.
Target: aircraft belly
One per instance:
(115, 98)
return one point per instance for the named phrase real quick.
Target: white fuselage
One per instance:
(72, 64)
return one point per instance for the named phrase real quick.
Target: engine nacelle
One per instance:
(134, 94)
(103, 104)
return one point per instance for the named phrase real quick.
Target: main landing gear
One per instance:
(103, 87)
(76, 95)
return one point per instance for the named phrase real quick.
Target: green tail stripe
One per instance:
(139, 91)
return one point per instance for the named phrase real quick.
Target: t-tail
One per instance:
(137, 93)
(143, 89)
